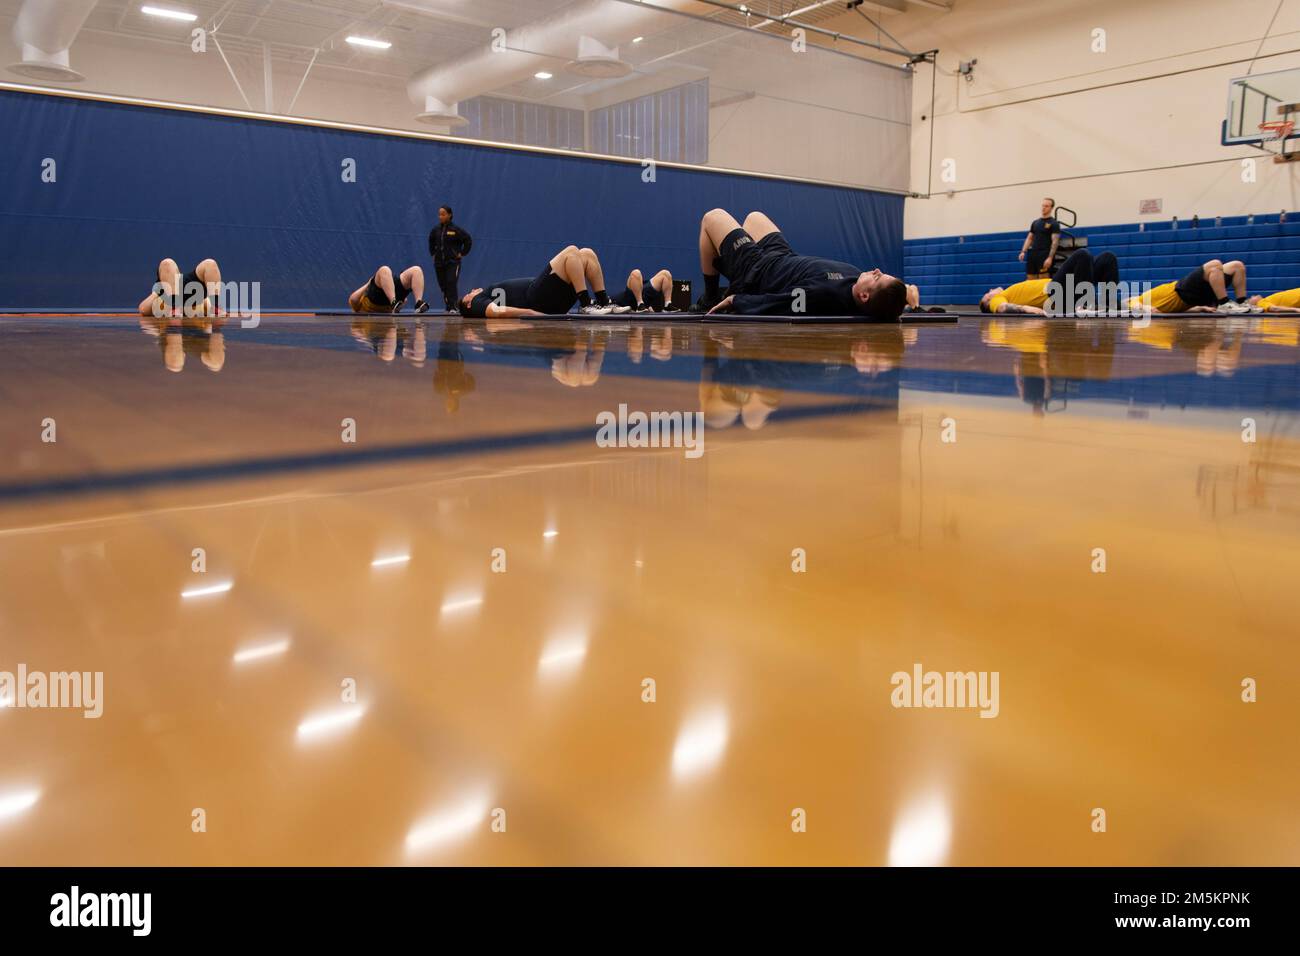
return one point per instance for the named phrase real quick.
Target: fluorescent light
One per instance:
(542, 75)
(169, 14)
(369, 43)
(390, 561)
(221, 588)
(562, 655)
(637, 39)
(14, 803)
(700, 743)
(257, 652)
(549, 533)
(921, 834)
(449, 824)
(465, 602)
(323, 724)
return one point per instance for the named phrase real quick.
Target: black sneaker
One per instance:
(705, 302)
(642, 307)
(671, 308)
(421, 306)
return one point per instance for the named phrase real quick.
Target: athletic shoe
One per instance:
(642, 307)
(1234, 308)
(705, 302)
(594, 309)
(671, 308)
(619, 309)
(421, 305)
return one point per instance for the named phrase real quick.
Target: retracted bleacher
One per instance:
(958, 270)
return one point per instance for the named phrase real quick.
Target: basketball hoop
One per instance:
(1277, 132)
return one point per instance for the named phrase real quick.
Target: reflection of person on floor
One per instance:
(1204, 289)
(767, 277)
(189, 294)
(178, 338)
(581, 367)
(1080, 269)
(450, 377)
(386, 294)
(553, 291)
(383, 334)
(661, 344)
(655, 297)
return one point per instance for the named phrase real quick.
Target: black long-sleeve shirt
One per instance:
(448, 242)
(825, 297)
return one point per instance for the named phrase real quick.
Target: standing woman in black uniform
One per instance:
(1039, 251)
(448, 244)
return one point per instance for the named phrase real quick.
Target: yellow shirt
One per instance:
(1288, 299)
(1162, 298)
(1030, 292)
(1029, 338)
(1158, 335)
(1279, 331)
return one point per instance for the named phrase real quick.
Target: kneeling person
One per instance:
(385, 293)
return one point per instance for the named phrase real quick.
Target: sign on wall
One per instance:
(1149, 205)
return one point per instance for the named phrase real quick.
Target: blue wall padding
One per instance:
(268, 201)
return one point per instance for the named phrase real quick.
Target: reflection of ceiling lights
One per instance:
(369, 44)
(169, 14)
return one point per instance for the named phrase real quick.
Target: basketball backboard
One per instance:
(1261, 98)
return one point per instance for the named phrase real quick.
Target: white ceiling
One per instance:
(424, 33)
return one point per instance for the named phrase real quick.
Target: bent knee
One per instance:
(634, 274)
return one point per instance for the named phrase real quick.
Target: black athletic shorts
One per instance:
(188, 280)
(1036, 262)
(1194, 289)
(743, 261)
(649, 295)
(374, 299)
(551, 294)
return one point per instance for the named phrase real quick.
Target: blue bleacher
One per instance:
(958, 270)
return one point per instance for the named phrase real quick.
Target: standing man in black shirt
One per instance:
(1039, 251)
(448, 244)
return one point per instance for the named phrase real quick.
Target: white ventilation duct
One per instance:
(585, 37)
(44, 31)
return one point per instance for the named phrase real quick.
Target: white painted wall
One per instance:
(1045, 115)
